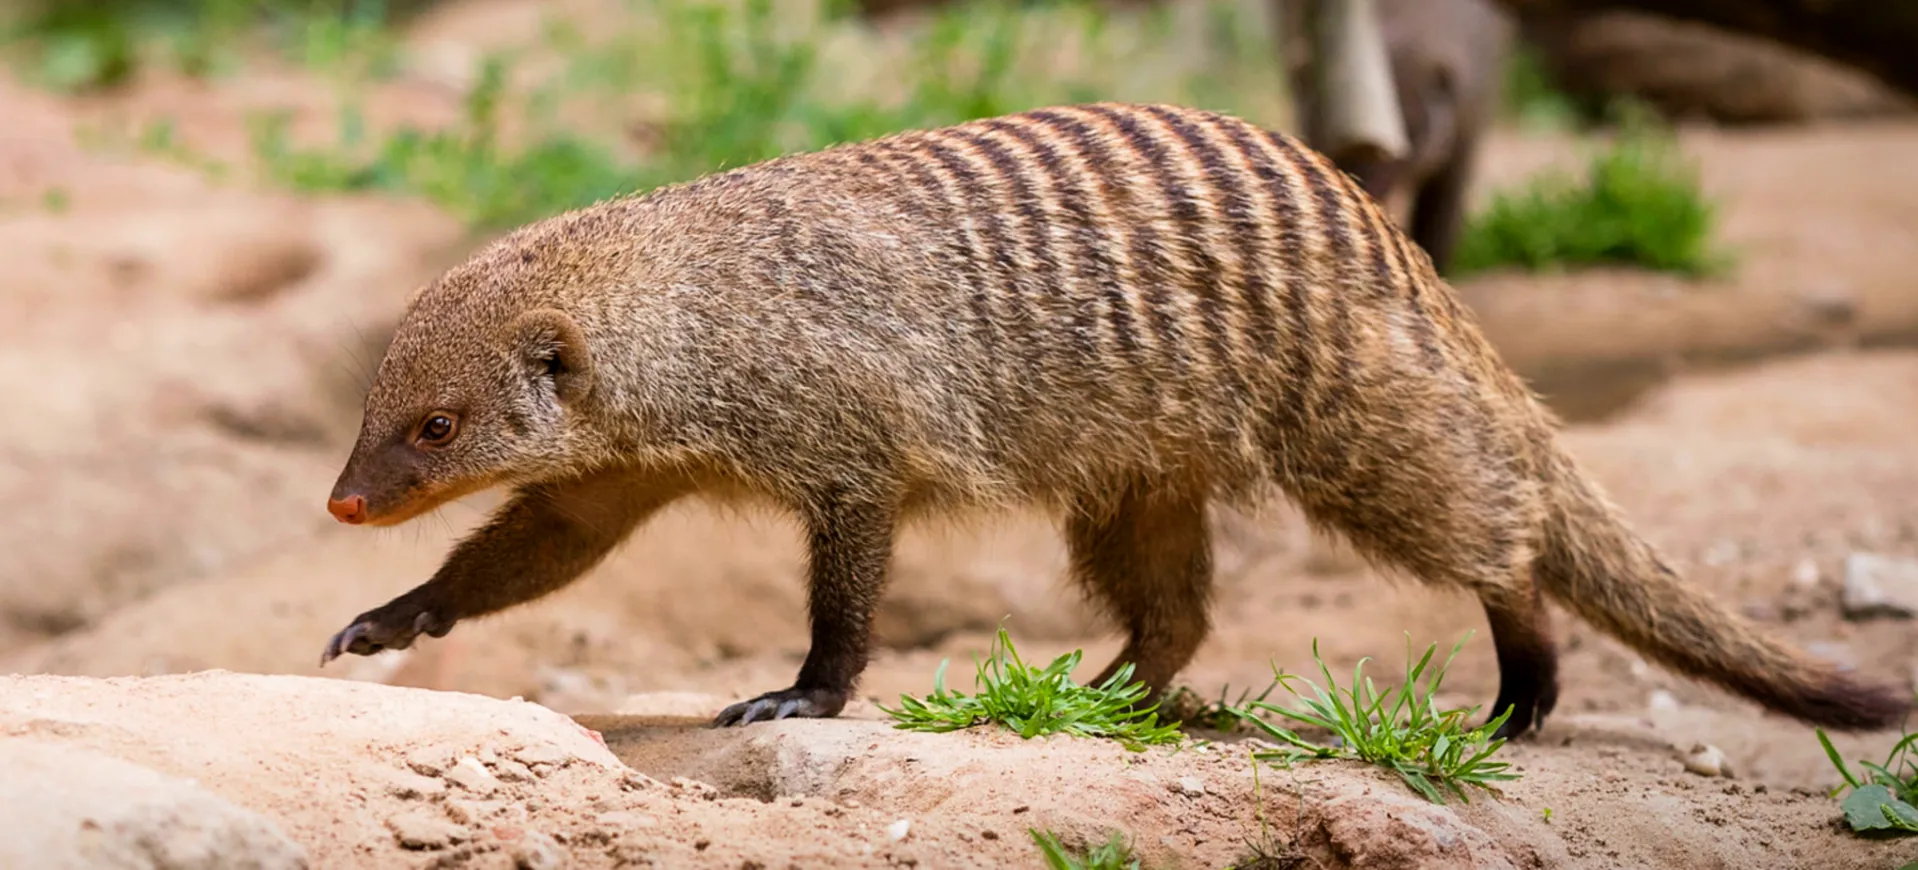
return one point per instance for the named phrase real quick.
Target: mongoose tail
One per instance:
(1594, 564)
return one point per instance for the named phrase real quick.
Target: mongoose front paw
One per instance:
(387, 628)
(803, 703)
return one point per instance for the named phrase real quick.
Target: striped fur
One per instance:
(1121, 312)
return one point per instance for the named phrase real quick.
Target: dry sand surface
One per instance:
(183, 363)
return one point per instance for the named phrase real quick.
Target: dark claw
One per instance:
(785, 704)
(383, 629)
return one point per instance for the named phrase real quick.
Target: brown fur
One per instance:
(1124, 313)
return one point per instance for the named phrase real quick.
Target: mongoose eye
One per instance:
(438, 429)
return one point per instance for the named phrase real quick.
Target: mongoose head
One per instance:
(473, 392)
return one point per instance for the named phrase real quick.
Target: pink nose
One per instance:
(350, 510)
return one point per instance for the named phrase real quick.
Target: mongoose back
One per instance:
(1124, 313)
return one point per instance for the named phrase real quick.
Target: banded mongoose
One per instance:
(1123, 313)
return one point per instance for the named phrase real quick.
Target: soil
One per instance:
(184, 360)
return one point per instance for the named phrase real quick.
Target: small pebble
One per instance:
(1662, 700)
(430, 761)
(468, 812)
(898, 830)
(1705, 759)
(421, 829)
(1879, 586)
(1191, 786)
(1805, 574)
(542, 753)
(410, 786)
(633, 780)
(512, 771)
(469, 774)
(536, 851)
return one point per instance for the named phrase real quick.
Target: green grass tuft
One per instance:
(1032, 701)
(1885, 801)
(1638, 204)
(1113, 854)
(1400, 728)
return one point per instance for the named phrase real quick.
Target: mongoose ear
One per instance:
(553, 346)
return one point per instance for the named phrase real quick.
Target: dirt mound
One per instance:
(72, 808)
(362, 775)
(1693, 70)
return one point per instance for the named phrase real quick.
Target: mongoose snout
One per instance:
(350, 510)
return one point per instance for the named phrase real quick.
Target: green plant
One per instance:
(1268, 852)
(1398, 728)
(74, 47)
(1113, 854)
(71, 45)
(1531, 98)
(1637, 204)
(1032, 701)
(1183, 704)
(464, 169)
(1886, 799)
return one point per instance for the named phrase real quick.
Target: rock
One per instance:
(1190, 786)
(1391, 830)
(536, 851)
(412, 786)
(898, 830)
(1662, 700)
(512, 771)
(1805, 575)
(467, 812)
(424, 829)
(68, 808)
(633, 780)
(1705, 759)
(471, 775)
(1880, 586)
(542, 753)
(430, 760)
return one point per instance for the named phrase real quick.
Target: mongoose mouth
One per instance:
(354, 510)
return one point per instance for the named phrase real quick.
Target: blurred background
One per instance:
(1697, 243)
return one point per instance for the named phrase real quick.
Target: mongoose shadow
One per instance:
(1122, 313)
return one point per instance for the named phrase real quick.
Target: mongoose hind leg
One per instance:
(849, 546)
(1147, 559)
(1453, 506)
(1527, 659)
(545, 537)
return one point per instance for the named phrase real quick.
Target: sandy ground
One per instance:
(185, 360)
